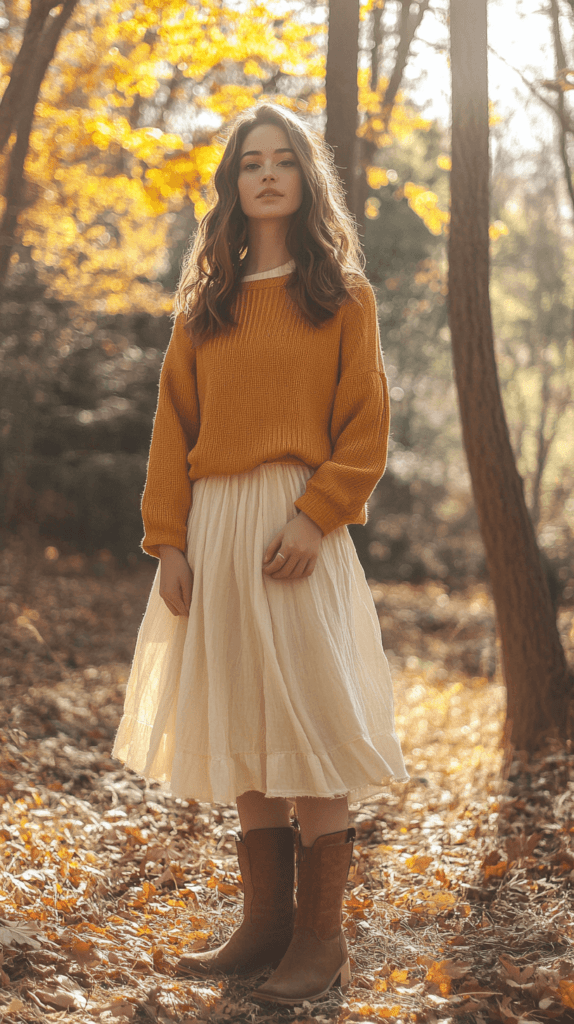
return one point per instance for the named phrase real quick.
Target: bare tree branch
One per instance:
(561, 111)
(530, 85)
(407, 27)
(378, 36)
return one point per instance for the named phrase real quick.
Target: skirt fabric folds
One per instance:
(270, 685)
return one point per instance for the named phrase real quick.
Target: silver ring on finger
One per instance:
(279, 555)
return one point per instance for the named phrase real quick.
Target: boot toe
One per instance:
(200, 964)
(305, 973)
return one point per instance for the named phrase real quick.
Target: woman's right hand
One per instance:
(176, 580)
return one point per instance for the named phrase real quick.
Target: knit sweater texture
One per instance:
(273, 388)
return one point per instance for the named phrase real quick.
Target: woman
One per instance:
(259, 674)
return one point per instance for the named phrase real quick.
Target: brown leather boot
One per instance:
(267, 864)
(317, 957)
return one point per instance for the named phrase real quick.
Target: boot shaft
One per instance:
(267, 864)
(323, 870)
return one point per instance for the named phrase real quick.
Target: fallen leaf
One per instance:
(399, 977)
(60, 999)
(442, 972)
(123, 1009)
(496, 870)
(434, 902)
(518, 976)
(15, 1005)
(418, 864)
(11, 936)
(566, 992)
(225, 887)
(6, 786)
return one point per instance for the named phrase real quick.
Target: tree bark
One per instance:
(40, 57)
(542, 446)
(341, 90)
(537, 678)
(16, 88)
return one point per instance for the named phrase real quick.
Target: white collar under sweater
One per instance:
(287, 268)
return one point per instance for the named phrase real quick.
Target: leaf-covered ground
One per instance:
(459, 904)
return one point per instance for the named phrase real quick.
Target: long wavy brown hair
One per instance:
(321, 238)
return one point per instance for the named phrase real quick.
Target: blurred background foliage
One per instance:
(125, 138)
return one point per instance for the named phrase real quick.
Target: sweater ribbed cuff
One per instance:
(175, 538)
(323, 514)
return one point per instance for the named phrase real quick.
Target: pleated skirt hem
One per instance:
(288, 774)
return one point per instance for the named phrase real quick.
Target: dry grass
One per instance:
(460, 898)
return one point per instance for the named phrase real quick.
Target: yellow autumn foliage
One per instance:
(372, 207)
(404, 120)
(377, 177)
(425, 204)
(497, 229)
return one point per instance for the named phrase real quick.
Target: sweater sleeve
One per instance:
(337, 492)
(168, 491)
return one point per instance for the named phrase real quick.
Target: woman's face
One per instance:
(270, 181)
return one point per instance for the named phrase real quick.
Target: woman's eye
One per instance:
(250, 167)
(287, 163)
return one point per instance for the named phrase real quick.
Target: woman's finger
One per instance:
(278, 566)
(272, 550)
(308, 568)
(287, 569)
(274, 563)
(170, 606)
(174, 602)
(180, 600)
(186, 592)
(305, 568)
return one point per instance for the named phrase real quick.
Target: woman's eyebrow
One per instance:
(257, 152)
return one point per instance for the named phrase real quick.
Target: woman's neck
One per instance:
(266, 248)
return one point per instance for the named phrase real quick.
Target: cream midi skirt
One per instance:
(271, 685)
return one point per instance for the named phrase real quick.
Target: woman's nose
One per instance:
(268, 172)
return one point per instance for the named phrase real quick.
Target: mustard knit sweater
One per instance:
(271, 389)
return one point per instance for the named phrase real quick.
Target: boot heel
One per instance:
(345, 975)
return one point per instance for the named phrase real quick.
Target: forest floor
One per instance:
(459, 905)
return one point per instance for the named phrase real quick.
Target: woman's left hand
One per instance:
(300, 542)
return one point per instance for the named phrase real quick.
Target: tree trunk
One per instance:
(10, 104)
(537, 678)
(19, 112)
(341, 90)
